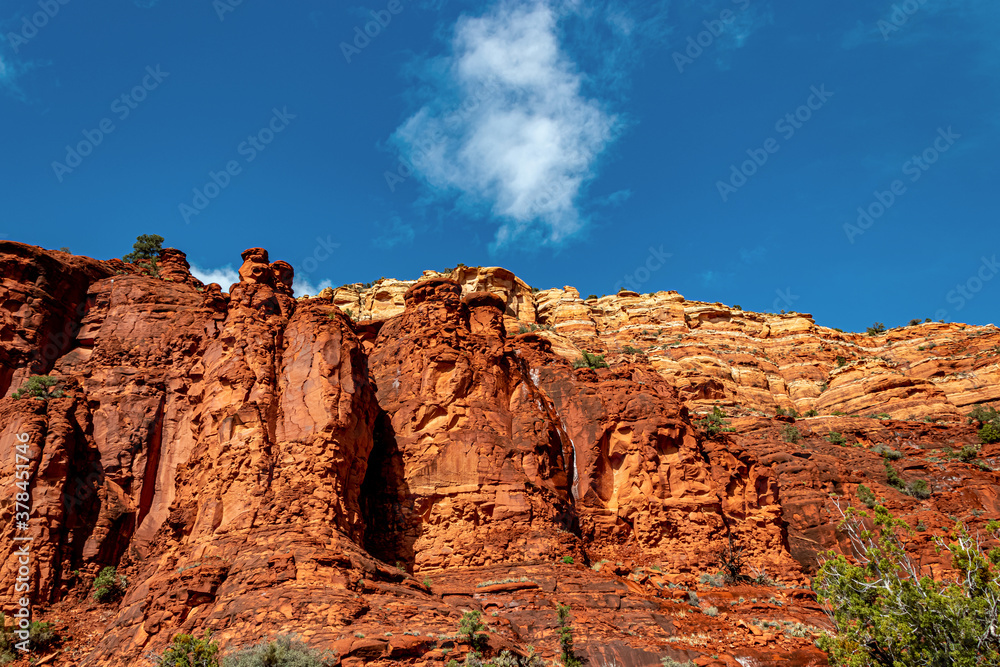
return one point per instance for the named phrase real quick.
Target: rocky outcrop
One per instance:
(257, 464)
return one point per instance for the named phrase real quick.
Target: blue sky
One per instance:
(836, 158)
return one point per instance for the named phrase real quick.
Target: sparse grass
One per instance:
(284, 651)
(589, 360)
(508, 580)
(670, 662)
(716, 580)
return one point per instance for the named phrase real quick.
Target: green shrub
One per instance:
(968, 454)
(919, 488)
(628, 349)
(592, 296)
(887, 613)
(190, 651)
(710, 611)
(589, 360)
(812, 413)
(41, 636)
(8, 652)
(284, 651)
(568, 560)
(790, 434)
(713, 423)
(472, 628)
(733, 566)
(569, 658)
(866, 496)
(892, 476)
(989, 434)
(109, 585)
(887, 452)
(841, 361)
(983, 414)
(876, 329)
(38, 386)
(836, 438)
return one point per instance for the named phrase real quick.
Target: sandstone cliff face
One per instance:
(258, 464)
(719, 355)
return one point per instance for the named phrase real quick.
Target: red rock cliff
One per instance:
(257, 464)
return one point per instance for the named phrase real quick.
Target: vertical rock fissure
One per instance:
(531, 377)
(150, 474)
(383, 492)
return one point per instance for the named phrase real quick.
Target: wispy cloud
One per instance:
(227, 276)
(616, 198)
(395, 232)
(753, 255)
(736, 33)
(531, 142)
(10, 72)
(897, 23)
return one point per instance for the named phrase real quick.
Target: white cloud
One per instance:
(509, 128)
(226, 276)
(302, 286)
